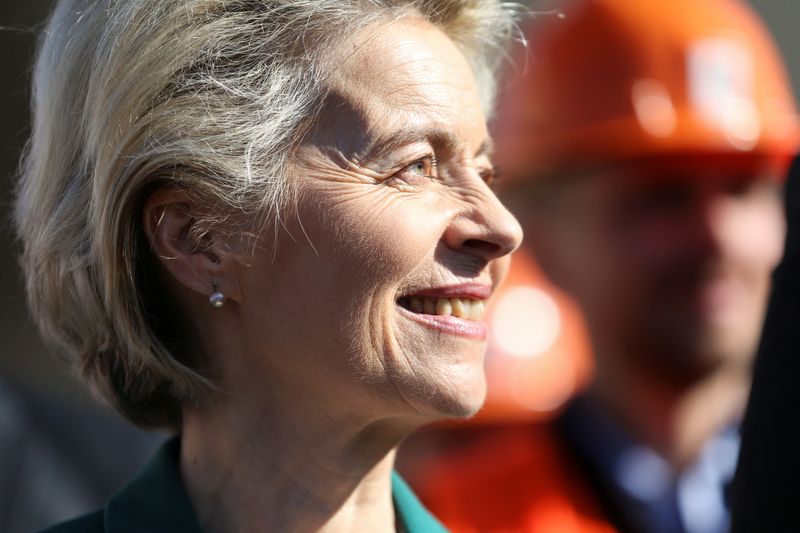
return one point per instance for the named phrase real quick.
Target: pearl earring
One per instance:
(217, 299)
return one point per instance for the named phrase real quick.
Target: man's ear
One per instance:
(203, 264)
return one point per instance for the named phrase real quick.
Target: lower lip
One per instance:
(448, 324)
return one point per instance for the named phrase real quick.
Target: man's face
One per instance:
(672, 265)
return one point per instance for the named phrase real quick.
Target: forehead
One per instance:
(408, 73)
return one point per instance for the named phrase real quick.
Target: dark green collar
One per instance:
(156, 501)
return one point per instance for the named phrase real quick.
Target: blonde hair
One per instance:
(210, 96)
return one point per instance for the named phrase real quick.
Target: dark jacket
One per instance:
(156, 501)
(765, 491)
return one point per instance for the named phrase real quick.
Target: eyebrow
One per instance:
(437, 137)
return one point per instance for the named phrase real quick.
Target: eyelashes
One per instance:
(426, 169)
(418, 172)
(490, 176)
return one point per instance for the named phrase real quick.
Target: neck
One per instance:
(303, 467)
(675, 420)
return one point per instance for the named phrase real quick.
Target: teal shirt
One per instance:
(155, 501)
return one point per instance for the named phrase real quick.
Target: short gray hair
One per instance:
(210, 96)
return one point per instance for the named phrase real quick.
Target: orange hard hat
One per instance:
(614, 80)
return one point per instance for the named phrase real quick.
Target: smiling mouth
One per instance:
(464, 308)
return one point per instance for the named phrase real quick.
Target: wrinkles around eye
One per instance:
(412, 168)
(419, 172)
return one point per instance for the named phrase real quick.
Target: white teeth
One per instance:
(458, 306)
(466, 308)
(477, 310)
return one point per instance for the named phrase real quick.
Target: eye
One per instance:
(419, 172)
(489, 175)
(419, 167)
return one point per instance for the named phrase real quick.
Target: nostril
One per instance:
(485, 247)
(484, 233)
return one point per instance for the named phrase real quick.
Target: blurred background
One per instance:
(45, 413)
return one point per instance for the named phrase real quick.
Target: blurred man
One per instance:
(646, 142)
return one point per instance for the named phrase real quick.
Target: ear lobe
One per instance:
(198, 263)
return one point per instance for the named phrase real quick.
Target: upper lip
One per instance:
(473, 290)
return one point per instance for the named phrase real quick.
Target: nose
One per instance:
(718, 223)
(739, 227)
(485, 229)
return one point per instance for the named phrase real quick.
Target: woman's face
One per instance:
(373, 293)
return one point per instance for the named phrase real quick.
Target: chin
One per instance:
(438, 374)
(458, 397)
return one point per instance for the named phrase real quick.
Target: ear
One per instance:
(202, 265)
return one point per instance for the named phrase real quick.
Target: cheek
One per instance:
(500, 268)
(337, 271)
(380, 237)
(755, 234)
(656, 241)
(581, 241)
(620, 265)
